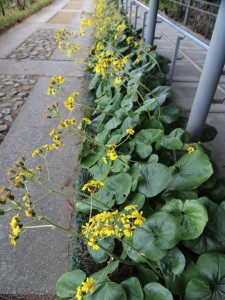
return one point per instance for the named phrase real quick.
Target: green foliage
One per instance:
(138, 147)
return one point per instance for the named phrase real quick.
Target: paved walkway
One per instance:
(28, 60)
(186, 78)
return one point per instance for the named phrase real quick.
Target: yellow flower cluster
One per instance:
(70, 102)
(20, 174)
(117, 81)
(112, 224)
(88, 286)
(55, 82)
(92, 185)
(86, 23)
(111, 152)
(16, 229)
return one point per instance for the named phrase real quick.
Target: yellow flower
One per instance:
(107, 216)
(109, 230)
(79, 293)
(16, 230)
(130, 207)
(128, 232)
(112, 154)
(93, 243)
(29, 213)
(104, 160)
(130, 131)
(36, 152)
(129, 39)
(138, 216)
(89, 285)
(92, 185)
(117, 81)
(86, 120)
(121, 27)
(191, 149)
(13, 240)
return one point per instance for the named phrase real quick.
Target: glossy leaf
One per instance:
(155, 291)
(209, 283)
(100, 255)
(190, 214)
(190, 171)
(160, 232)
(67, 284)
(132, 288)
(154, 179)
(109, 291)
(213, 236)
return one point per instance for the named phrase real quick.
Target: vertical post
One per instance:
(187, 12)
(152, 17)
(136, 17)
(212, 70)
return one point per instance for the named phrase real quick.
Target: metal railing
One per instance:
(188, 11)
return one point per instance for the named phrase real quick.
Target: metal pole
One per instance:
(210, 77)
(187, 11)
(152, 17)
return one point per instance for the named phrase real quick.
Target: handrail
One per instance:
(177, 27)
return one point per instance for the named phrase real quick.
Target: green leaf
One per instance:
(160, 232)
(103, 88)
(100, 170)
(190, 171)
(175, 140)
(109, 291)
(144, 139)
(209, 283)
(173, 263)
(137, 199)
(2, 212)
(102, 274)
(121, 164)
(155, 291)
(132, 288)
(88, 159)
(100, 255)
(213, 236)
(158, 97)
(190, 214)
(134, 254)
(168, 114)
(146, 275)
(67, 284)
(116, 188)
(94, 81)
(154, 179)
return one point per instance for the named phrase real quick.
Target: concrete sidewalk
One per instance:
(28, 59)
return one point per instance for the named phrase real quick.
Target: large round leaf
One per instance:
(155, 291)
(209, 283)
(132, 288)
(173, 263)
(67, 284)
(160, 232)
(190, 214)
(154, 179)
(109, 291)
(190, 171)
(100, 170)
(213, 236)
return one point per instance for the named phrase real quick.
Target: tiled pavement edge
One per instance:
(28, 60)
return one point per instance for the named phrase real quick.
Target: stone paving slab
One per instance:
(63, 17)
(40, 257)
(43, 67)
